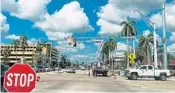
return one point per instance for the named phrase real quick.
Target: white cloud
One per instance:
(32, 10)
(172, 37)
(122, 47)
(32, 41)
(13, 36)
(171, 48)
(108, 28)
(110, 12)
(144, 6)
(170, 15)
(146, 32)
(4, 25)
(57, 35)
(116, 11)
(9, 5)
(67, 50)
(70, 18)
(80, 56)
(81, 46)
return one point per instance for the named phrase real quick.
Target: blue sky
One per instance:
(52, 20)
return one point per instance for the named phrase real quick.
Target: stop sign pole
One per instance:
(20, 78)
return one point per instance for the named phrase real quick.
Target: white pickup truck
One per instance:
(147, 71)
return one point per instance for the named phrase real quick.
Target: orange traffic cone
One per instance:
(38, 78)
(95, 75)
(89, 74)
(114, 76)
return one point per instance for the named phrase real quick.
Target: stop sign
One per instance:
(20, 78)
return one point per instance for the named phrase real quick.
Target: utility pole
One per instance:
(134, 46)
(127, 51)
(164, 36)
(153, 25)
(109, 58)
(155, 46)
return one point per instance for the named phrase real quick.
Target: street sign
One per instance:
(20, 78)
(132, 58)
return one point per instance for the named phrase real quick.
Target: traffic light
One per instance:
(72, 41)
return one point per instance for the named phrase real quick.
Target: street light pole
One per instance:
(164, 37)
(133, 42)
(109, 58)
(153, 25)
(155, 46)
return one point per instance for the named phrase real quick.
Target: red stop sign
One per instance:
(20, 78)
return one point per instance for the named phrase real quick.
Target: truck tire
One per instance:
(163, 77)
(129, 78)
(134, 76)
(156, 78)
(104, 73)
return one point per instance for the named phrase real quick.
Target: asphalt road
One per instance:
(74, 83)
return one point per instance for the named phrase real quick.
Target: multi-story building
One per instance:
(54, 57)
(16, 56)
(51, 55)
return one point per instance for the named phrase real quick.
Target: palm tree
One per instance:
(38, 52)
(128, 31)
(48, 51)
(39, 48)
(108, 47)
(144, 44)
(145, 48)
(23, 44)
(139, 55)
(6, 53)
(16, 45)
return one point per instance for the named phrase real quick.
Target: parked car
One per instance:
(4, 68)
(46, 69)
(71, 71)
(147, 71)
(61, 71)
